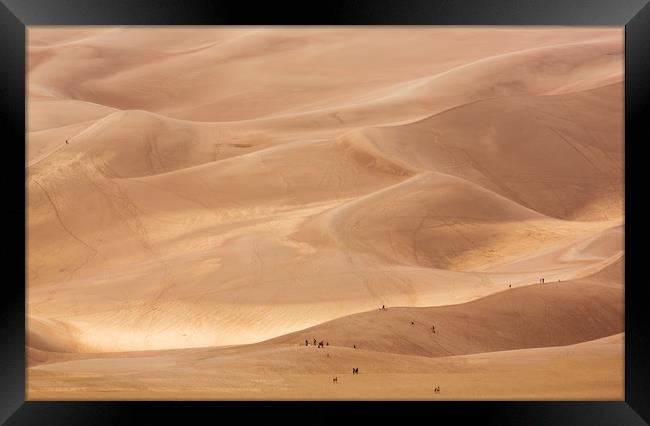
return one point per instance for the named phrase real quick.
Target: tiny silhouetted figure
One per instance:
(383, 307)
(327, 343)
(314, 342)
(509, 285)
(335, 379)
(354, 346)
(433, 328)
(542, 280)
(306, 342)
(412, 323)
(66, 141)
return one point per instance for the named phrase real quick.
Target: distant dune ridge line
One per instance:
(203, 204)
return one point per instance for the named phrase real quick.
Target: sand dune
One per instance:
(226, 193)
(537, 316)
(586, 370)
(553, 314)
(480, 142)
(138, 69)
(249, 306)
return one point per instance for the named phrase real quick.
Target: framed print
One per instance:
(354, 209)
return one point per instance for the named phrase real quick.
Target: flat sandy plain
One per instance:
(202, 202)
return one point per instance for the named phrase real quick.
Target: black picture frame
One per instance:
(16, 15)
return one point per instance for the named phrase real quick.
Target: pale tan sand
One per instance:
(477, 351)
(590, 370)
(231, 186)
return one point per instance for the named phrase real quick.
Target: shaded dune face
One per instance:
(503, 144)
(256, 187)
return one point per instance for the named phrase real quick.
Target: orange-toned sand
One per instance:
(201, 201)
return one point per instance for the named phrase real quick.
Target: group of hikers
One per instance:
(541, 281)
(320, 344)
(354, 371)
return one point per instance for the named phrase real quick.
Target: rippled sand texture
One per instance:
(202, 201)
